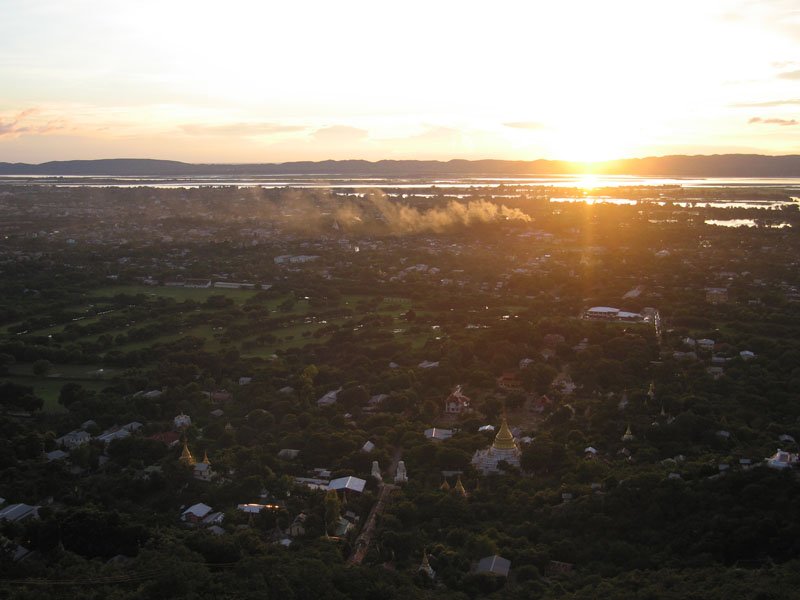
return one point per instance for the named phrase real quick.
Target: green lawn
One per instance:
(48, 388)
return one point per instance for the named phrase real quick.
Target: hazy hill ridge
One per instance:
(720, 165)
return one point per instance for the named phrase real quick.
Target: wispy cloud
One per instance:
(774, 121)
(768, 103)
(20, 124)
(793, 75)
(524, 125)
(338, 133)
(239, 129)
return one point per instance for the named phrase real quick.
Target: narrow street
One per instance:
(364, 539)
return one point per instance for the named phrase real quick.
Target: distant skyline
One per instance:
(248, 81)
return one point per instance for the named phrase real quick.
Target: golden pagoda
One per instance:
(186, 456)
(504, 449)
(459, 488)
(504, 440)
(205, 458)
(445, 487)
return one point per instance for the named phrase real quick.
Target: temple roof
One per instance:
(504, 439)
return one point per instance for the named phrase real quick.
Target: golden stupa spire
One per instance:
(504, 440)
(425, 567)
(459, 488)
(186, 456)
(445, 487)
(205, 458)
(628, 435)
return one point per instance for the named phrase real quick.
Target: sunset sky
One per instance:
(255, 81)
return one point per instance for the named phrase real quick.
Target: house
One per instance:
(367, 447)
(298, 526)
(329, 398)
(782, 460)
(196, 513)
(132, 427)
(706, 344)
(438, 434)
(494, 565)
(427, 364)
(73, 439)
(510, 382)
(182, 421)
(539, 405)
(556, 567)
(19, 512)
(354, 484)
(254, 509)
(56, 455)
(716, 295)
(456, 403)
(113, 434)
(203, 470)
(288, 454)
(343, 527)
(220, 396)
(601, 313)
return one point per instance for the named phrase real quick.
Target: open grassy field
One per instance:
(177, 293)
(48, 387)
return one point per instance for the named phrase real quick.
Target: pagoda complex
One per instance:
(504, 448)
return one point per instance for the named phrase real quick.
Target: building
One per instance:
(354, 484)
(456, 403)
(716, 295)
(73, 439)
(504, 449)
(19, 512)
(437, 434)
(203, 470)
(196, 513)
(182, 421)
(782, 460)
(510, 382)
(329, 398)
(494, 565)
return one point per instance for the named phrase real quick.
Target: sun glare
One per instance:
(587, 182)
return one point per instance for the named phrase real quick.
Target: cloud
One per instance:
(768, 103)
(524, 125)
(793, 75)
(239, 129)
(17, 125)
(774, 121)
(340, 133)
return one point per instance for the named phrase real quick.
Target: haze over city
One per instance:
(274, 82)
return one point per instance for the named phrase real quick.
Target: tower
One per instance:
(401, 476)
(186, 456)
(425, 566)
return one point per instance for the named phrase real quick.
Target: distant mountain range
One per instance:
(718, 165)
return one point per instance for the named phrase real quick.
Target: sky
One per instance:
(259, 81)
